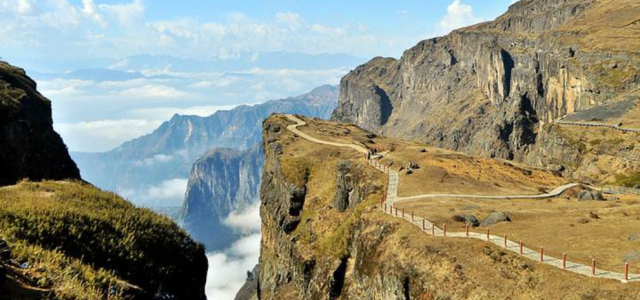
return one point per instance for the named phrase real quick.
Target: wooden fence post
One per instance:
(412, 220)
(433, 229)
(626, 271)
(505, 241)
(423, 225)
(396, 211)
(467, 229)
(521, 248)
(541, 254)
(488, 235)
(403, 213)
(564, 261)
(444, 229)
(593, 267)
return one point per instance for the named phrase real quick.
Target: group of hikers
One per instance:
(372, 151)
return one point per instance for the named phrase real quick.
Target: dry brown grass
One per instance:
(552, 223)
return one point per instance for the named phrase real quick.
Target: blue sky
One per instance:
(196, 57)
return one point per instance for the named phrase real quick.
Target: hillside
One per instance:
(497, 88)
(70, 240)
(221, 181)
(170, 151)
(325, 235)
(29, 147)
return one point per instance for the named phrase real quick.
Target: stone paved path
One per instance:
(431, 229)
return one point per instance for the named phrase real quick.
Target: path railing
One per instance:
(600, 125)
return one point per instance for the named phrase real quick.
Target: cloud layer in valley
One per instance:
(228, 269)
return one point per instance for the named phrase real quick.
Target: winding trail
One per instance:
(431, 229)
(588, 124)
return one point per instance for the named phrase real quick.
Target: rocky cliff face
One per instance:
(222, 181)
(170, 151)
(493, 88)
(311, 250)
(29, 146)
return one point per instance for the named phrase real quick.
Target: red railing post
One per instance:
(467, 229)
(593, 267)
(444, 229)
(564, 261)
(541, 254)
(521, 248)
(626, 271)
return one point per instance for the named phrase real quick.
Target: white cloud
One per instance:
(169, 193)
(158, 158)
(292, 20)
(458, 15)
(227, 270)
(154, 91)
(169, 189)
(247, 220)
(165, 113)
(103, 135)
(64, 87)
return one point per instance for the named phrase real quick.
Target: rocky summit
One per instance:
(497, 88)
(29, 147)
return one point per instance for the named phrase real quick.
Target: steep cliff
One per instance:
(312, 249)
(29, 146)
(222, 181)
(494, 88)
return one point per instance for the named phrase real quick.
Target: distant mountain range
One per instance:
(152, 169)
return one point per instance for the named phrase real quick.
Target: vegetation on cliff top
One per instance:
(73, 241)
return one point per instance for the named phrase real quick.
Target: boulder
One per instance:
(586, 195)
(494, 218)
(637, 186)
(413, 166)
(467, 219)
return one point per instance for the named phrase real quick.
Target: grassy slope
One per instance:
(80, 242)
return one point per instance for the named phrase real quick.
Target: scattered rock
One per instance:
(527, 172)
(632, 257)
(467, 219)
(413, 166)
(409, 172)
(637, 186)
(423, 150)
(634, 237)
(583, 221)
(371, 135)
(494, 218)
(586, 195)
(594, 215)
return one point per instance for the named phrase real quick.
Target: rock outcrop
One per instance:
(494, 88)
(222, 181)
(29, 147)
